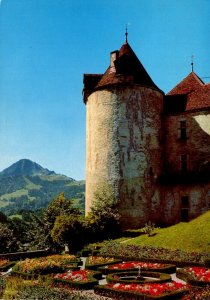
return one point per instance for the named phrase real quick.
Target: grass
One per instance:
(191, 237)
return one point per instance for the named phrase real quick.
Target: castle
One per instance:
(152, 149)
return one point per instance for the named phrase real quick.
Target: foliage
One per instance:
(3, 262)
(68, 229)
(35, 192)
(3, 217)
(148, 228)
(8, 240)
(57, 207)
(198, 294)
(17, 288)
(44, 265)
(103, 220)
(117, 249)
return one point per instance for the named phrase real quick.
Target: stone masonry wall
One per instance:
(196, 147)
(123, 149)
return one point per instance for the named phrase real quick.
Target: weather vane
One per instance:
(192, 61)
(126, 32)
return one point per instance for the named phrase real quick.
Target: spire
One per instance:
(192, 61)
(126, 33)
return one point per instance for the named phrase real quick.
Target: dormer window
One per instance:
(183, 130)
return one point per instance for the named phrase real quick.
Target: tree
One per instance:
(68, 229)
(8, 241)
(59, 206)
(103, 219)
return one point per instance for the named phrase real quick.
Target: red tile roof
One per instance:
(196, 91)
(127, 69)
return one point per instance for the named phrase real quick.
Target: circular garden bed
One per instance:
(134, 277)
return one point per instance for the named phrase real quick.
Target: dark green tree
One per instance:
(60, 206)
(8, 241)
(103, 219)
(68, 229)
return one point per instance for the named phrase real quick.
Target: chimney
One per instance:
(113, 56)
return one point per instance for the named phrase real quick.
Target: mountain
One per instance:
(25, 167)
(27, 185)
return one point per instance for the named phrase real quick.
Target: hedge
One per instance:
(7, 266)
(160, 276)
(117, 294)
(182, 274)
(98, 266)
(168, 269)
(85, 285)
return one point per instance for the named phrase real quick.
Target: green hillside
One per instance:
(35, 192)
(192, 236)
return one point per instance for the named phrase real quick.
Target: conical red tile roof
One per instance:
(127, 69)
(196, 91)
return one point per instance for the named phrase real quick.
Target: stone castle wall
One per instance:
(124, 129)
(193, 182)
(196, 144)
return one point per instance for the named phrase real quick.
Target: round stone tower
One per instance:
(123, 137)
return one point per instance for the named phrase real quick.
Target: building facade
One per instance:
(151, 149)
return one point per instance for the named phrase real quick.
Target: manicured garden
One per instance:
(60, 277)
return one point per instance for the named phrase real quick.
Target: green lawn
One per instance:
(192, 236)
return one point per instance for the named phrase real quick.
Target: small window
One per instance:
(183, 159)
(183, 130)
(185, 201)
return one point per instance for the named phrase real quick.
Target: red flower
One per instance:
(199, 273)
(154, 289)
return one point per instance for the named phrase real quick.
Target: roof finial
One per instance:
(192, 61)
(126, 33)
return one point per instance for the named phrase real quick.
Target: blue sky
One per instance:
(47, 45)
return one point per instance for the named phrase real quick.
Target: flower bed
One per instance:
(168, 290)
(5, 264)
(148, 277)
(94, 262)
(84, 279)
(195, 275)
(46, 265)
(133, 265)
(147, 252)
